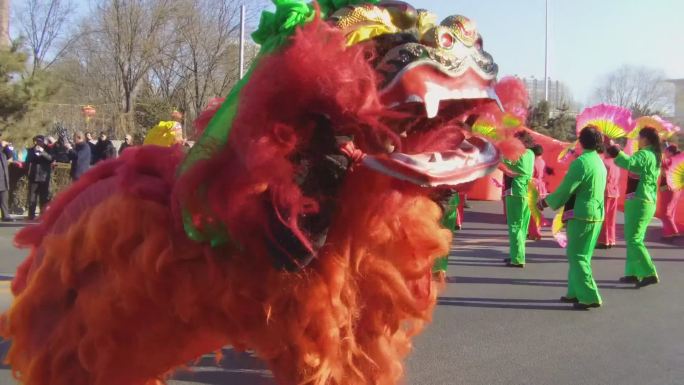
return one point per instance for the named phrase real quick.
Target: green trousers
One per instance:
(518, 218)
(638, 215)
(582, 237)
(449, 221)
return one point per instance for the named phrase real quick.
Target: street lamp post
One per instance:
(546, 52)
(243, 10)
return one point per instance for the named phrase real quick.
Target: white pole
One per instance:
(242, 40)
(546, 53)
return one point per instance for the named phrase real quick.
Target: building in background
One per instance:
(560, 96)
(678, 110)
(678, 114)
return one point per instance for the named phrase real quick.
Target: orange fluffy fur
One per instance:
(106, 308)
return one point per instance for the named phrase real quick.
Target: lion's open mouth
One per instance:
(474, 159)
(436, 97)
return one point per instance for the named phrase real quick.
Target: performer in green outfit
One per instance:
(640, 206)
(449, 200)
(586, 181)
(517, 208)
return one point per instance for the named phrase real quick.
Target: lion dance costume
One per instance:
(300, 225)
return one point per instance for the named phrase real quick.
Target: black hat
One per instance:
(39, 138)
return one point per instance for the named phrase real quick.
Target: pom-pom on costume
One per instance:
(164, 134)
(158, 256)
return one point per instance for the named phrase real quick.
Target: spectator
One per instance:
(91, 143)
(8, 150)
(79, 155)
(4, 182)
(59, 151)
(104, 149)
(128, 142)
(39, 171)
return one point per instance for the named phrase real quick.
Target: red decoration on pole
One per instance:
(177, 115)
(88, 111)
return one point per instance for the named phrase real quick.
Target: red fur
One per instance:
(148, 172)
(511, 148)
(513, 95)
(316, 76)
(206, 115)
(121, 296)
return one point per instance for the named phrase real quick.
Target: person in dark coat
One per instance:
(104, 149)
(4, 183)
(91, 143)
(79, 155)
(128, 142)
(39, 163)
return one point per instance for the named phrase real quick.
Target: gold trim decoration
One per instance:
(463, 28)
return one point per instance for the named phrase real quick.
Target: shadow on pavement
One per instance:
(603, 284)
(234, 368)
(12, 224)
(504, 303)
(4, 348)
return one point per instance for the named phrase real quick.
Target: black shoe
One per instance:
(602, 246)
(584, 306)
(457, 227)
(507, 260)
(565, 299)
(652, 280)
(629, 279)
(509, 264)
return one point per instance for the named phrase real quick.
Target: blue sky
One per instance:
(588, 38)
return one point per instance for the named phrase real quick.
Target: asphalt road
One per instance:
(497, 325)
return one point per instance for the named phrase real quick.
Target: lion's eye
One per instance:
(446, 40)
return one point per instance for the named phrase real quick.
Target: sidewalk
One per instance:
(501, 326)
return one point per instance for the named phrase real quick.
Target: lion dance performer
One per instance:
(670, 191)
(300, 226)
(640, 206)
(585, 182)
(607, 238)
(517, 206)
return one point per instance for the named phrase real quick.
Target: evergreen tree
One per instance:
(19, 91)
(15, 92)
(563, 125)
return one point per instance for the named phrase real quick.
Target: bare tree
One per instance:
(43, 23)
(642, 89)
(148, 56)
(207, 55)
(4, 24)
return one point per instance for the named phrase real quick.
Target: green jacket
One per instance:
(645, 164)
(524, 167)
(586, 179)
